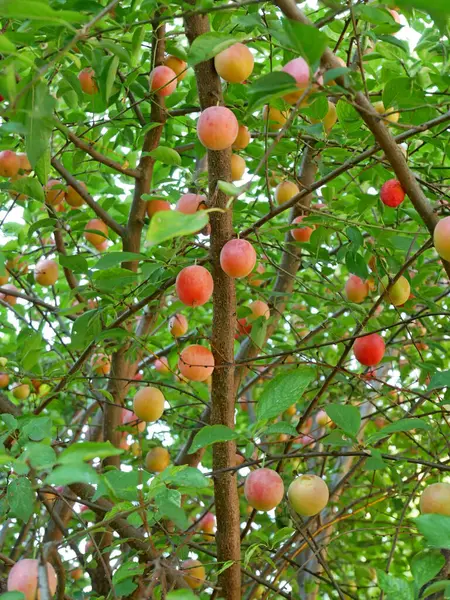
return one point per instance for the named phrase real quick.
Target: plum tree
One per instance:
(194, 573)
(356, 289)
(369, 349)
(23, 577)
(308, 495)
(435, 499)
(46, 272)
(157, 459)
(264, 489)
(285, 191)
(178, 325)
(196, 363)
(217, 128)
(238, 258)
(163, 81)
(392, 194)
(194, 285)
(235, 64)
(148, 404)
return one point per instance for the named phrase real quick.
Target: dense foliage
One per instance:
(116, 506)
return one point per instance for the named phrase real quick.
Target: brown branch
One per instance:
(224, 315)
(98, 156)
(99, 211)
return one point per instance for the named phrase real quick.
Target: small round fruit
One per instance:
(11, 300)
(76, 574)
(235, 64)
(162, 365)
(54, 192)
(392, 194)
(101, 364)
(196, 363)
(23, 577)
(87, 81)
(178, 325)
(21, 391)
(303, 234)
(253, 278)
(177, 65)
(285, 191)
(356, 289)
(238, 258)
(308, 495)
(157, 459)
(299, 69)
(189, 204)
(193, 573)
(435, 499)
(217, 128)
(237, 167)
(4, 380)
(73, 198)
(274, 118)
(24, 163)
(264, 489)
(163, 81)
(129, 418)
(155, 206)
(207, 523)
(259, 309)
(389, 114)
(369, 349)
(395, 15)
(330, 119)
(322, 419)
(399, 292)
(9, 163)
(148, 404)
(46, 272)
(441, 238)
(243, 138)
(194, 285)
(96, 239)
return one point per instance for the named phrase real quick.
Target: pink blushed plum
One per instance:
(264, 489)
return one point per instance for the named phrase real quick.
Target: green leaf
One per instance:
(9, 421)
(116, 258)
(356, 264)
(375, 462)
(30, 187)
(136, 44)
(211, 434)
(348, 117)
(168, 503)
(229, 189)
(397, 92)
(283, 391)
(435, 529)
(166, 155)
(258, 332)
(72, 473)
(346, 417)
(426, 565)
(307, 40)
(38, 10)
(76, 263)
(270, 86)
(333, 74)
(6, 46)
(439, 380)
(394, 587)
(437, 586)
(281, 427)
(397, 426)
(168, 224)
(12, 596)
(281, 535)
(178, 595)
(21, 498)
(185, 477)
(40, 456)
(88, 451)
(208, 45)
(123, 483)
(111, 77)
(38, 428)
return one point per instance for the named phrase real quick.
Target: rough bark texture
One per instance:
(222, 393)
